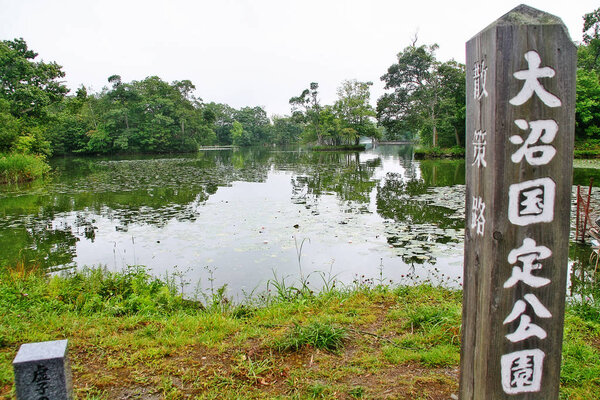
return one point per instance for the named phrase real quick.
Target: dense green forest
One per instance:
(587, 106)
(424, 102)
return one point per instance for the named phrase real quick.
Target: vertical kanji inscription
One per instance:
(519, 169)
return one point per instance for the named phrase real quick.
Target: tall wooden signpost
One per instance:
(520, 130)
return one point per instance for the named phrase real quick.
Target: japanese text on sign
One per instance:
(41, 380)
(529, 202)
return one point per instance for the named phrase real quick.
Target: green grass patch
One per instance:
(324, 336)
(15, 167)
(133, 334)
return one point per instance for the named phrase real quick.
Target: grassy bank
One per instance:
(16, 167)
(587, 149)
(134, 336)
(437, 152)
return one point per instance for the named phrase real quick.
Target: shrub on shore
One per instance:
(16, 167)
(438, 152)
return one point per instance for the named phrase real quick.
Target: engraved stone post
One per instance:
(42, 371)
(520, 130)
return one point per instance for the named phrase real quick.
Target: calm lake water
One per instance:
(242, 217)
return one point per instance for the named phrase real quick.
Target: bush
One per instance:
(92, 290)
(15, 167)
(322, 336)
(437, 152)
(587, 153)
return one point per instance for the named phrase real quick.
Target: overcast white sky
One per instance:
(252, 52)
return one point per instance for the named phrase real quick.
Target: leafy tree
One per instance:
(589, 58)
(72, 122)
(424, 95)
(286, 130)
(452, 105)
(354, 109)
(237, 134)
(256, 125)
(306, 109)
(27, 85)
(587, 105)
(10, 127)
(27, 89)
(332, 127)
(222, 117)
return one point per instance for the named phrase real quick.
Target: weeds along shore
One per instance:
(16, 167)
(132, 335)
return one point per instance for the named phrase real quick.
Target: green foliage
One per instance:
(357, 392)
(353, 108)
(286, 130)
(237, 134)
(324, 336)
(257, 127)
(29, 86)
(427, 97)
(340, 124)
(587, 105)
(27, 89)
(90, 291)
(16, 167)
(589, 52)
(580, 369)
(306, 109)
(138, 323)
(10, 127)
(149, 116)
(437, 152)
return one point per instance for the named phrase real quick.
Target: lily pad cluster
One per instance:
(416, 224)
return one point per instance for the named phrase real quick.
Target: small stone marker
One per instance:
(42, 371)
(520, 131)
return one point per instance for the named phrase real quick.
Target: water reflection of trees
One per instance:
(155, 190)
(37, 245)
(443, 172)
(334, 173)
(132, 190)
(417, 224)
(404, 152)
(396, 199)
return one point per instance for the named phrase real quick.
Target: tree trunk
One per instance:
(456, 137)
(434, 138)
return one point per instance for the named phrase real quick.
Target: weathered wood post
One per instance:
(520, 130)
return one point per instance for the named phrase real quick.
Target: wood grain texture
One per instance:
(486, 302)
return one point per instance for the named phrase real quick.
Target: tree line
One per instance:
(148, 116)
(424, 102)
(38, 116)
